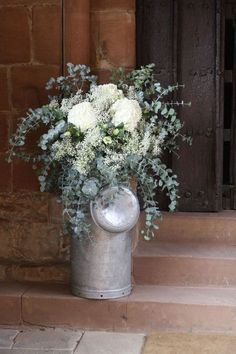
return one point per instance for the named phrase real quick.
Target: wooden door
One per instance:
(229, 151)
(183, 39)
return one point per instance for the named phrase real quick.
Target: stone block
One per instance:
(47, 36)
(2, 272)
(24, 177)
(55, 211)
(35, 243)
(7, 337)
(6, 174)
(10, 303)
(48, 339)
(112, 5)
(77, 31)
(29, 2)
(34, 351)
(115, 343)
(45, 273)
(14, 35)
(4, 100)
(113, 39)
(27, 206)
(29, 85)
(54, 305)
(4, 131)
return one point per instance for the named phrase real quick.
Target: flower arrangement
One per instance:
(102, 135)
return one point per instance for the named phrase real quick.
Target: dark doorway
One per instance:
(184, 39)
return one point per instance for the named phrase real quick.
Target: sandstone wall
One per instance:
(100, 33)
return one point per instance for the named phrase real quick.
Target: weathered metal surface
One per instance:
(101, 264)
(183, 39)
(101, 267)
(116, 209)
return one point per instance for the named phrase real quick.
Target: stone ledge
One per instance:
(147, 309)
(52, 273)
(27, 206)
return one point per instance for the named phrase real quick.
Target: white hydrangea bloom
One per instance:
(127, 112)
(83, 116)
(103, 96)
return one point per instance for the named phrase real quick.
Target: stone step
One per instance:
(201, 227)
(186, 263)
(147, 309)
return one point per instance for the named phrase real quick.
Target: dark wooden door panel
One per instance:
(181, 38)
(197, 54)
(155, 41)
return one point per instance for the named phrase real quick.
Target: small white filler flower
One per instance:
(127, 112)
(83, 116)
(103, 96)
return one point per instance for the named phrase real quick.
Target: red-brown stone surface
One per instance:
(42, 273)
(10, 303)
(77, 31)
(4, 131)
(34, 243)
(28, 84)
(24, 207)
(47, 36)
(113, 4)
(113, 39)
(4, 103)
(28, 2)
(14, 35)
(24, 177)
(5, 175)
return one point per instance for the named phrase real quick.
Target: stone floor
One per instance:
(28, 340)
(190, 343)
(37, 340)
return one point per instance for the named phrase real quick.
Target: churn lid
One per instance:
(116, 209)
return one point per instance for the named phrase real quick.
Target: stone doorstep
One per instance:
(200, 227)
(31, 340)
(185, 264)
(147, 309)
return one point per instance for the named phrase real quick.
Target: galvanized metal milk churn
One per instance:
(101, 266)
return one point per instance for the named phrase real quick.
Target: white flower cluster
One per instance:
(103, 96)
(114, 160)
(68, 103)
(105, 102)
(54, 103)
(85, 151)
(145, 143)
(133, 145)
(63, 148)
(83, 116)
(85, 156)
(127, 112)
